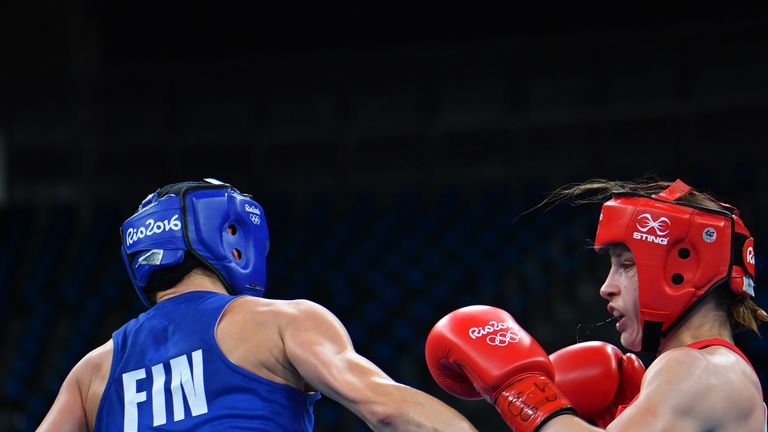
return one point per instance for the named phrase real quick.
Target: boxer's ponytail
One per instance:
(745, 313)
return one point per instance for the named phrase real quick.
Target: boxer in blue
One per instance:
(211, 353)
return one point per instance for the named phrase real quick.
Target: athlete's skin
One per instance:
(298, 343)
(684, 389)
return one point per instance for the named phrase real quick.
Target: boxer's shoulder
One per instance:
(265, 322)
(265, 335)
(255, 309)
(711, 383)
(714, 365)
(93, 366)
(677, 366)
(734, 376)
(99, 356)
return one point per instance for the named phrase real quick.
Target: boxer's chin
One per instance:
(632, 340)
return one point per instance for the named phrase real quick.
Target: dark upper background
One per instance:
(392, 153)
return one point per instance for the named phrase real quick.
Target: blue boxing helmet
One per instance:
(221, 227)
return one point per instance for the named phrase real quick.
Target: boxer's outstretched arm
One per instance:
(320, 348)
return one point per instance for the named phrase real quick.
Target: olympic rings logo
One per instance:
(503, 338)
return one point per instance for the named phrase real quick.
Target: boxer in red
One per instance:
(681, 283)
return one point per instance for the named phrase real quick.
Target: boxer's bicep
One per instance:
(319, 347)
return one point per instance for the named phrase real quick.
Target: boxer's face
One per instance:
(620, 289)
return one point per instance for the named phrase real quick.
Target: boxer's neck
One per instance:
(706, 322)
(194, 281)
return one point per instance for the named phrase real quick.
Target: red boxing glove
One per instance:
(480, 351)
(598, 378)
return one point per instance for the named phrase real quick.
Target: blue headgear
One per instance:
(221, 227)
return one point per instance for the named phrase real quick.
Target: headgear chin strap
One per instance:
(223, 228)
(681, 252)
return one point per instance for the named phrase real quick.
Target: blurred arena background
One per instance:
(393, 163)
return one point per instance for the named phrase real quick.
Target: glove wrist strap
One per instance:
(528, 402)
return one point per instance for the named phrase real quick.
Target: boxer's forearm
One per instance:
(569, 423)
(408, 409)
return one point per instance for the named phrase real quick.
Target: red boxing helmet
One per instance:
(681, 252)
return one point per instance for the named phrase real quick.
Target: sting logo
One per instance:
(660, 226)
(646, 222)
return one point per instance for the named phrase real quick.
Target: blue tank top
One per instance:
(169, 374)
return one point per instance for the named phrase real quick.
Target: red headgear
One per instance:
(681, 252)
